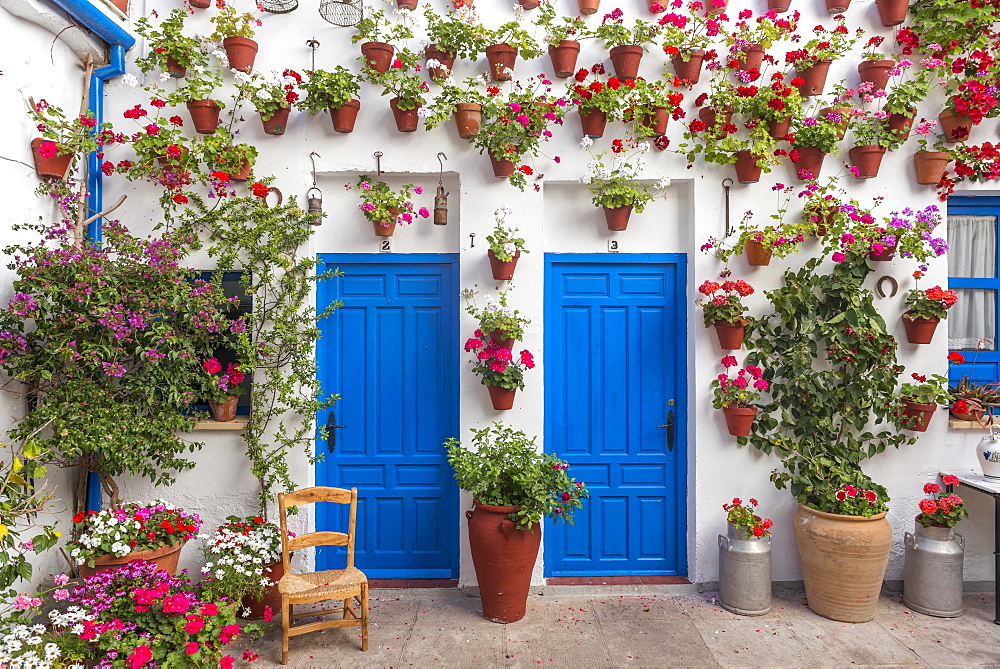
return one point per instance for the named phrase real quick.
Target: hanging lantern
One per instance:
(441, 198)
(315, 206)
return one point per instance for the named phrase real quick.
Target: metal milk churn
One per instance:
(932, 577)
(744, 572)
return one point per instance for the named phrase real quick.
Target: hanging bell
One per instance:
(440, 206)
(315, 206)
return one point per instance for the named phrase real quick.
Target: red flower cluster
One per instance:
(852, 492)
(947, 298)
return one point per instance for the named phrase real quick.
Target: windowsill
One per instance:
(237, 423)
(962, 425)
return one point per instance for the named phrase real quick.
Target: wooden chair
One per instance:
(337, 584)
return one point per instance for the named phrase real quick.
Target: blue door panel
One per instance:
(615, 355)
(390, 352)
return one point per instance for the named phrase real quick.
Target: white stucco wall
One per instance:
(557, 219)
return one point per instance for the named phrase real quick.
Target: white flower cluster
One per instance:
(493, 306)
(74, 617)
(234, 553)
(22, 647)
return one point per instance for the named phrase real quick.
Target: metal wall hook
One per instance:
(441, 156)
(313, 44)
(378, 163)
(313, 161)
(727, 187)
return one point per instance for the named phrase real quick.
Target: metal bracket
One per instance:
(378, 163)
(313, 44)
(727, 187)
(313, 161)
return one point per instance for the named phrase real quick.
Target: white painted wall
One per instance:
(559, 218)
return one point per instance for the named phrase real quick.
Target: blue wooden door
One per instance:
(614, 377)
(391, 352)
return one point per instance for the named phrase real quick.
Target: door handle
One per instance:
(331, 435)
(670, 430)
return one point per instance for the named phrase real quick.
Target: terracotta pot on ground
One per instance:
(502, 58)
(837, 6)
(223, 412)
(617, 217)
(589, 6)
(919, 330)
(55, 166)
(278, 122)
(502, 168)
(344, 116)
(930, 166)
(810, 160)
(739, 420)
(867, 158)
(406, 119)
(843, 562)
(503, 270)
(900, 124)
(563, 57)
(241, 52)
(657, 121)
(165, 558)
(757, 254)
(502, 398)
(175, 69)
(731, 334)
(379, 55)
(446, 58)
(504, 558)
(752, 58)
(593, 123)
(690, 69)
(468, 116)
(918, 415)
(955, 127)
(747, 169)
(710, 116)
(877, 72)
(626, 59)
(892, 12)
(779, 129)
(500, 336)
(814, 77)
(271, 596)
(778, 6)
(204, 115)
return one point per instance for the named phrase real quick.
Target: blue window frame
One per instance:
(974, 273)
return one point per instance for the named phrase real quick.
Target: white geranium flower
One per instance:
(664, 182)
(586, 142)
(130, 80)
(643, 147)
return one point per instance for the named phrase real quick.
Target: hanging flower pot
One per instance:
(747, 169)
(593, 123)
(503, 270)
(626, 59)
(200, 4)
(813, 77)
(716, 7)
(165, 557)
(446, 58)
(739, 420)
(688, 70)
(867, 158)
(500, 336)
(778, 6)
(877, 72)
(752, 58)
(241, 52)
(468, 117)
(779, 129)
(845, 118)
(919, 330)
(892, 12)
(504, 558)
(887, 253)
(406, 119)
(502, 167)
(588, 7)
(501, 58)
(617, 217)
(204, 115)
(837, 6)
(175, 69)
(344, 117)
(223, 412)
(243, 172)
(278, 121)
(502, 398)
(406, 4)
(529, 4)
(384, 228)
(657, 121)
(900, 124)
(757, 254)
(810, 161)
(379, 55)
(731, 334)
(930, 166)
(53, 166)
(955, 127)
(710, 116)
(563, 57)
(918, 415)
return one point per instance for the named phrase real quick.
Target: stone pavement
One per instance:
(640, 626)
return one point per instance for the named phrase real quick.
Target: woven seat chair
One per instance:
(336, 584)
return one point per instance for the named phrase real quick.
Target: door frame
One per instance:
(680, 479)
(452, 259)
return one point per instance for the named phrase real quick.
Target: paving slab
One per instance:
(754, 643)
(556, 633)
(655, 642)
(841, 643)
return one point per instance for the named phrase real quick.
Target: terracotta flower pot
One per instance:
(814, 78)
(502, 167)
(503, 271)
(241, 52)
(406, 4)
(563, 57)
(877, 72)
(918, 415)
(626, 59)
(752, 58)
(810, 160)
(657, 121)
(919, 330)
(779, 129)
(502, 58)
(175, 69)
(955, 127)
(892, 12)
(379, 55)
(204, 115)
(972, 415)
(446, 58)
(529, 4)
(276, 124)
(468, 117)
(200, 4)
(502, 398)
(55, 166)
(843, 562)
(406, 119)
(837, 6)
(778, 6)
(344, 117)
(271, 597)
(710, 116)
(384, 228)
(930, 166)
(739, 420)
(867, 158)
(617, 217)
(588, 7)
(223, 412)
(757, 254)
(165, 558)
(747, 169)
(504, 557)
(716, 7)
(688, 70)
(593, 123)
(900, 124)
(731, 334)
(499, 336)
(243, 172)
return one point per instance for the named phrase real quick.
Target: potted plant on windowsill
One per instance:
(513, 487)
(271, 95)
(970, 400)
(625, 45)
(724, 310)
(505, 44)
(921, 399)
(385, 207)
(222, 389)
(505, 248)
(236, 30)
(335, 91)
(377, 33)
(563, 39)
(618, 187)
(501, 373)
(925, 309)
(170, 50)
(501, 323)
(243, 564)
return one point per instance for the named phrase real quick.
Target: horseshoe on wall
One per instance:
(892, 282)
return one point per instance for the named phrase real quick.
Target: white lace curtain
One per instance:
(972, 241)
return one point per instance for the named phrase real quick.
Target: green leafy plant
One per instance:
(168, 40)
(267, 93)
(495, 363)
(611, 95)
(375, 27)
(328, 89)
(131, 527)
(403, 80)
(199, 84)
(230, 23)
(645, 98)
(851, 500)
(458, 32)
(823, 133)
(744, 516)
(781, 240)
(559, 28)
(685, 33)
(828, 44)
(613, 32)
(221, 151)
(503, 468)
(617, 182)
(382, 204)
(723, 301)
(931, 389)
(451, 94)
(513, 34)
(236, 556)
(496, 315)
(76, 136)
(502, 241)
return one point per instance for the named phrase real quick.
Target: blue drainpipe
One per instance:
(119, 41)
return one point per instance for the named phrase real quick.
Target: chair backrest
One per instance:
(318, 538)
